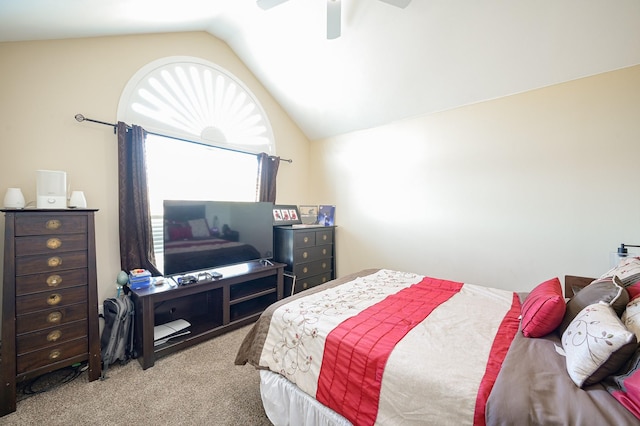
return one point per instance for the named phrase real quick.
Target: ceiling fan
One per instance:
(333, 12)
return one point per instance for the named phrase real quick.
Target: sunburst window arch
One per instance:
(194, 99)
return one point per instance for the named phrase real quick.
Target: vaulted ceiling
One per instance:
(389, 63)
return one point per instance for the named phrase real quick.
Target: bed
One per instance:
(390, 347)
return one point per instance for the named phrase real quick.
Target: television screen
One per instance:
(200, 235)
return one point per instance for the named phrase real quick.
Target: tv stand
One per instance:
(212, 306)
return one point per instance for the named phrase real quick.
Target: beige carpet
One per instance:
(197, 386)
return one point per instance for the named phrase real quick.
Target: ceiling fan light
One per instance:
(268, 4)
(334, 17)
(397, 3)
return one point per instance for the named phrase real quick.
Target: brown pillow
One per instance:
(607, 290)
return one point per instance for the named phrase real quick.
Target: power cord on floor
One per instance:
(50, 381)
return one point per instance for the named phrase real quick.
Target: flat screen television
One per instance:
(203, 235)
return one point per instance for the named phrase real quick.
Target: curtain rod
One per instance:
(80, 118)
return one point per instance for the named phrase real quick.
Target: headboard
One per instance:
(573, 284)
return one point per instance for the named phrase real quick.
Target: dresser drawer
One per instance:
(50, 336)
(34, 283)
(304, 270)
(312, 253)
(50, 244)
(39, 224)
(309, 282)
(304, 239)
(50, 263)
(50, 318)
(324, 237)
(57, 353)
(50, 299)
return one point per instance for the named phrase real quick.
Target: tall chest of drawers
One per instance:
(309, 253)
(50, 302)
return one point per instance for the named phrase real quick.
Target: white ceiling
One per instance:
(389, 63)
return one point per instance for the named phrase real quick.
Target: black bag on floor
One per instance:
(116, 342)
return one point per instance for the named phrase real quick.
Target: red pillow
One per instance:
(633, 290)
(543, 309)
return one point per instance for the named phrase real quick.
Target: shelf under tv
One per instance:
(212, 306)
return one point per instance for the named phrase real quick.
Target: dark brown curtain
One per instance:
(268, 170)
(136, 238)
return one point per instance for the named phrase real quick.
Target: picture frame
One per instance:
(286, 215)
(309, 214)
(326, 215)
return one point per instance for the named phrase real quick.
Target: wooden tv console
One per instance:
(211, 306)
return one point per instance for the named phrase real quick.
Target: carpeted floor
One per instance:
(197, 386)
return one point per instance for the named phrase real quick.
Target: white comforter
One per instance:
(395, 347)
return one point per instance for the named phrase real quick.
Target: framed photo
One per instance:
(285, 215)
(326, 215)
(309, 214)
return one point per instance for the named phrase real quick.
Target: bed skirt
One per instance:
(286, 404)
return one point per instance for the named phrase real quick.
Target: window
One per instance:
(189, 99)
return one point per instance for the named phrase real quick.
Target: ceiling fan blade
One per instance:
(397, 3)
(268, 4)
(333, 19)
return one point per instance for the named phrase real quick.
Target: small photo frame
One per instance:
(326, 215)
(285, 215)
(309, 214)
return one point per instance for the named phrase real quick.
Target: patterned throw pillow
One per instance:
(596, 344)
(543, 309)
(631, 317)
(628, 270)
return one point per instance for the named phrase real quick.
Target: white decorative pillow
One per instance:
(628, 270)
(199, 228)
(631, 317)
(596, 344)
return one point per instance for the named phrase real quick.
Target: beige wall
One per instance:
(44, 84)
(504, 193)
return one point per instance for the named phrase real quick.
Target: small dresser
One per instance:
(309, 253)
(50, 302)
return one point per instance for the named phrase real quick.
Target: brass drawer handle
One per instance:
(54, 243)
(305, 285)
(54, 299)
(324, 251)
(54, 280)
(53, 224)
(324, 237)
(324, 265)
(324, 279)
(305, 255)
(53, 262)
(54, 335)
(54, 317)
(55, 354)
(306, 239)
(305, 269)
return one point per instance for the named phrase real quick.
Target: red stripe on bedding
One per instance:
(506, 333)
(357, 350)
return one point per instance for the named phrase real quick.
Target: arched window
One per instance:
(213, 124)
(194, 99)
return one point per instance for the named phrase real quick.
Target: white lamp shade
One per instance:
(77, 200)
(14, 199)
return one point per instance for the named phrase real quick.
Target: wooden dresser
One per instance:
(50, 303)
(309, 253)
